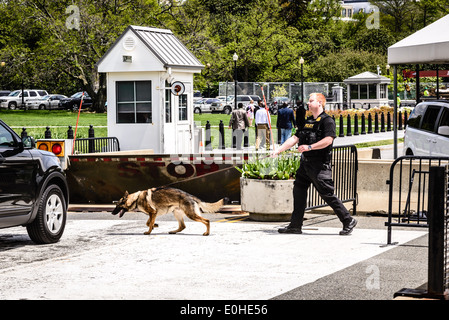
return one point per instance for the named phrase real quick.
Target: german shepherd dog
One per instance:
(158, 201)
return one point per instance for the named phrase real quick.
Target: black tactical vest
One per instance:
(312, 132)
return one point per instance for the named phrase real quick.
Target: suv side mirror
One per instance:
(443, 130)
(28, 142)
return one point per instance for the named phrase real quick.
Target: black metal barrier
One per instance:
(344, 173)
(437, 258)
(93, 145)
(408, 191)
(437, 217)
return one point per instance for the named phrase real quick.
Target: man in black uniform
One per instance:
(315, 139)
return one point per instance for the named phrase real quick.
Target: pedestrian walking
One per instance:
(300, 115)
(250, 112)
(263, 121)
(238, 122)
(315, 144)
(285, 122)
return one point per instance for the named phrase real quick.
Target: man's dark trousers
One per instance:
(320, 174)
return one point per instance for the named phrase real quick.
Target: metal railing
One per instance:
(93, 145)
(344, 173)
(408, 191)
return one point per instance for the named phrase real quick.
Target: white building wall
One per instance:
(135, 136)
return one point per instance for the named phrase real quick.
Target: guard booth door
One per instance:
(177, 126)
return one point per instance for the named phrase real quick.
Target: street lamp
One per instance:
(301, 62)
(235, 57)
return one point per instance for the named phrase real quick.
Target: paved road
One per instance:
(103, 257)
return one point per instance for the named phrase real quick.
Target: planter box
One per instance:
(267, 200)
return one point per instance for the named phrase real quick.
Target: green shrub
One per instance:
(282, 167)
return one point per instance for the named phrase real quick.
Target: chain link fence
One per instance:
(289, 92)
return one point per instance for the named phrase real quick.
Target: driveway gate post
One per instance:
(435, 219)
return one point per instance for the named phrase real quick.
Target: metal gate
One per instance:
(408, 191)
(95, 145)
(344, 173)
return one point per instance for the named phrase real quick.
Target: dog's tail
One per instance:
(212, 207)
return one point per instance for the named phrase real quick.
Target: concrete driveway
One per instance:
(103, 257)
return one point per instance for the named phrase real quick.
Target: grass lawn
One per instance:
(35, 122)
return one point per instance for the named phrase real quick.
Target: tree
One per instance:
(343, 64)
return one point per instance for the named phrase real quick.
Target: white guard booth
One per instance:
(150, 91)
(367, 88)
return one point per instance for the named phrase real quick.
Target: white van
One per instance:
(427, 130)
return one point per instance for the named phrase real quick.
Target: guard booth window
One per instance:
(134, 102)
(182, 107)
(168, 118)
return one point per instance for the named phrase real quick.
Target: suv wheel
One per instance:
(12, 105)
(49, 223)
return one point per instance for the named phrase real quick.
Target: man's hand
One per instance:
(303, 148)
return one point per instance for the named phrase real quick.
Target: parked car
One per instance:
(427, 130)
(73, 102)
(4, 93)
(33, 188)
(49, 102)
(14, 99)
(204, 105)
(228, 106)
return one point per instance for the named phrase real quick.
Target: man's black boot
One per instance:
(290, 229)
(347, 227)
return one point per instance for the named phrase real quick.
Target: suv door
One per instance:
(17, 183)
(441, 144)
(425, 144)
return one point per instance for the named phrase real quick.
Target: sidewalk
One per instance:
(367, 138)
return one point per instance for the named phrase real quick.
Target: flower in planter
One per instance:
(282, 167)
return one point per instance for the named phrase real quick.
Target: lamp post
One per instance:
(301, 62)
(235, 57)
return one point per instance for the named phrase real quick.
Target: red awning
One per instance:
(425, 73)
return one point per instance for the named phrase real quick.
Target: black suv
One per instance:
(33, 188)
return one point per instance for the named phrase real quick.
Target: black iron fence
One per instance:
(344, 173)
(426, 191)
(351, 124)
